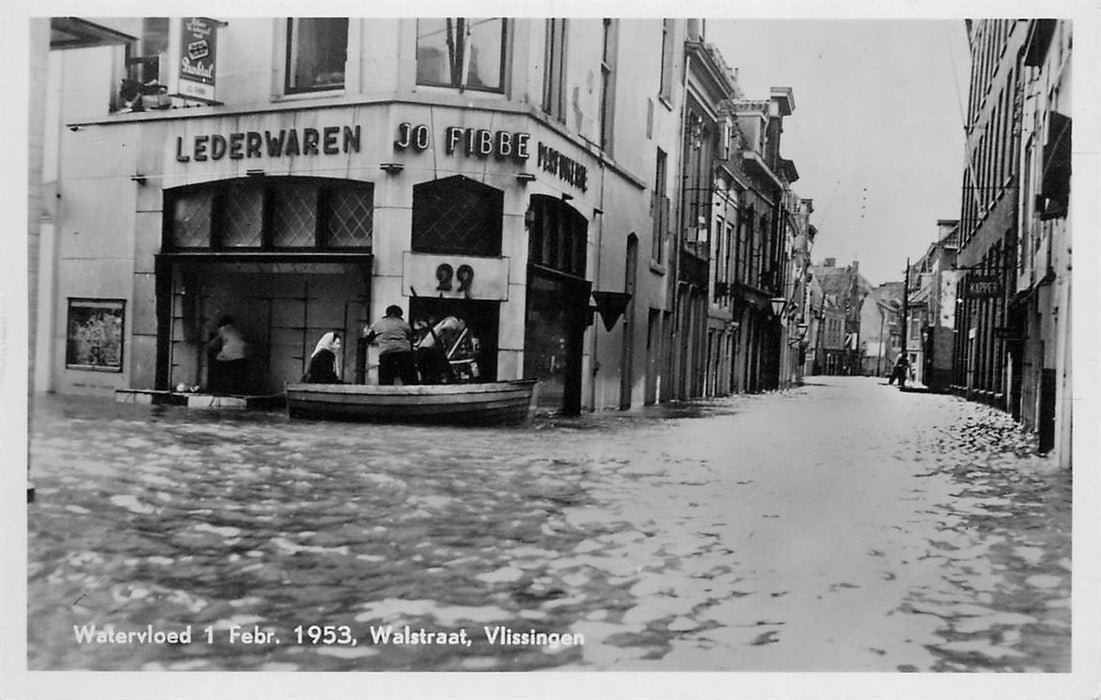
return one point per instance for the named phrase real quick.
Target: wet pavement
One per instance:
(841, 526)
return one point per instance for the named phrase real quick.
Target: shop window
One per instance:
(457, 215)
(317, 50)
(461, 52)
(95, 332)
(558, 236)
(281, 213)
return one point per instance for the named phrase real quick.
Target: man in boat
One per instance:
(435, 341)
(394, 338)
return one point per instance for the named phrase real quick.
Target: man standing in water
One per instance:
(394, 338)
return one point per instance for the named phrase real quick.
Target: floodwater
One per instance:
(842, 526)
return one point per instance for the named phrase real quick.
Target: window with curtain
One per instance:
(461, 52)
(317, 49)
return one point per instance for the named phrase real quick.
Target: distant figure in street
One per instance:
(394, 338)
(228, 353)
(324, 367)
(901, 369)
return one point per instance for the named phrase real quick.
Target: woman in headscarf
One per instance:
(323, 362)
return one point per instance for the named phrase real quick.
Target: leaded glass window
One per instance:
(276, 213)
(294, 215)
(457, 215)
(350, 217)
(240, 219)
(191, 216)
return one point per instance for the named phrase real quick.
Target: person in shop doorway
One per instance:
(394, 338)
(227, 350)
(324, 367)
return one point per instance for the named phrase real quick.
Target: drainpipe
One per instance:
(596, 278)
(674, 255)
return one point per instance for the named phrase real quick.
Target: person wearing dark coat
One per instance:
(323, 361)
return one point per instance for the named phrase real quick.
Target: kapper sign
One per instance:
(198, 50)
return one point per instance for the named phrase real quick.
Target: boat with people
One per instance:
(446, 387)
(484, 403)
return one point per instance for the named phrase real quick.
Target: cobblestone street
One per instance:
(841, 526)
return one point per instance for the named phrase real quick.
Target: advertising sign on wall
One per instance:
(198, 53)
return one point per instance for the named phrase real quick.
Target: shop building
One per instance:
(989, 217)
(303, 174)
(762, 250)
(1039, 331)
(1013, 326)
(705, 137)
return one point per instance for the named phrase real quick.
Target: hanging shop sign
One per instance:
(984, 286)
(198, 58)
(328, 140)
(1007, 333)
(479, 143)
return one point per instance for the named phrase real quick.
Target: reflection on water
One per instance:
(641, 532)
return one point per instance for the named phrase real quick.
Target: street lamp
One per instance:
(778, 304)
(800, 336)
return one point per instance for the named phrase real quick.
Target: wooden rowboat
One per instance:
(491, 403)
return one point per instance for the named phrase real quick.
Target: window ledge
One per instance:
(657, 268)
(667, 103)
(312, 95)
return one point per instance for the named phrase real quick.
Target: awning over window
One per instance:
(77, 33)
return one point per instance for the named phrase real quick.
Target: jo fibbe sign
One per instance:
(984, 286)
(336, 139)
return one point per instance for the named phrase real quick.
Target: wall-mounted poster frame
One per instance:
(94, 334)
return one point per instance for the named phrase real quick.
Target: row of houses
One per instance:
(596, 199)
(985, 311)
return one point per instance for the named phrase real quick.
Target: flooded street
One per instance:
(842, 526)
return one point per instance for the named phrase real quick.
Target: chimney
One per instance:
(856, 266)
(829, 262)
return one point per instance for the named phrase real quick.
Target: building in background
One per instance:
(880, 328)
(933, 281)
(762, 250)
(844, 289)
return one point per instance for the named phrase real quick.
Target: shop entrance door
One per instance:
(554, 329)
